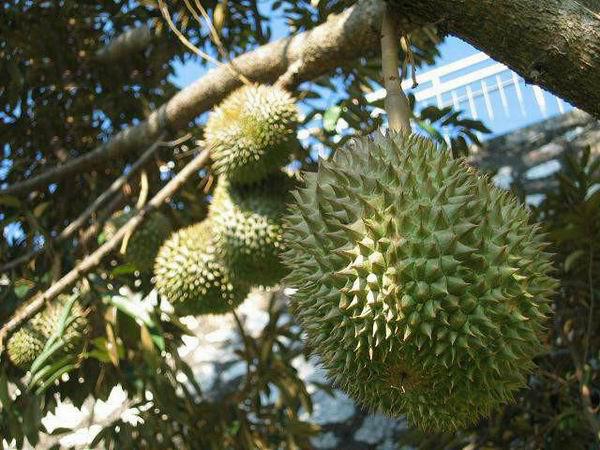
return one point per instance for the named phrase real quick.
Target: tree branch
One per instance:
(554, 43)
(36, 303)
(91, 209)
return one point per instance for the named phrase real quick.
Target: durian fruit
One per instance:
(28, 342)
(252, 132)
(144, 242)
(248, 228)
(422, 287)
(191, 276)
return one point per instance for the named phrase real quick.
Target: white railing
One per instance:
(485, 90)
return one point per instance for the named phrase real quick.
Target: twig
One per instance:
(37, 302)
(141, 201)
(144, 189)
(116, 203)
(290, 77)
(91, 209)
(213, 33)
(214, 36)
(410, 58)
(165, 12)
(176, 142)
(396, 102)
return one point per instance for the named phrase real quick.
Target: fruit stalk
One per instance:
(396, 102)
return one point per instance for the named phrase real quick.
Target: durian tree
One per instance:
(425, 291)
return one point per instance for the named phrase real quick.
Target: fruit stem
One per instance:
(396, 102)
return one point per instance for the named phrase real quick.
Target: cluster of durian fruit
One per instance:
(423, 288)
(208, 267)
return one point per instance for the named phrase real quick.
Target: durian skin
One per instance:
(248, 228)
(422, 287)
(144, 242)
(252, 132)
(191, 276)
(28, 342)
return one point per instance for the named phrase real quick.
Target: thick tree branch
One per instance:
(552, 43)
(37, 302)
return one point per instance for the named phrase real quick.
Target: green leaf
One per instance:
(5, 400)
(572, 258)
(330, 118)
(10, 201)
(54, 377)
(22, 287)
(60, 430)
(32, 418)
(135, 309)
(476, 125)
(434, 113)
(39, 209)
(123, 269)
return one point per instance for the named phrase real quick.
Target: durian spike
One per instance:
(396, 102)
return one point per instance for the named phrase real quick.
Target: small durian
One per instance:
(422, 287)
(191, 276)
(144, 242)
(252, 132)
(25, 344)
(248, 229)
(28, 342)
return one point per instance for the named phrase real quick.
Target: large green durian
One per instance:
(252, 132)
(144, 242)
(28, 342)
(190, 275)
(422, 287)
(248, 228)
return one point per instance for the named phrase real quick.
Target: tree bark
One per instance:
(552, 43)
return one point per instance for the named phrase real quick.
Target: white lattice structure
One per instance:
(485, 90)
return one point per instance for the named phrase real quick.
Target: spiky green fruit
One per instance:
(248, 228)
(189, 273)
(28, 342)
(422, 287)
(143, 244)
(252, 132)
